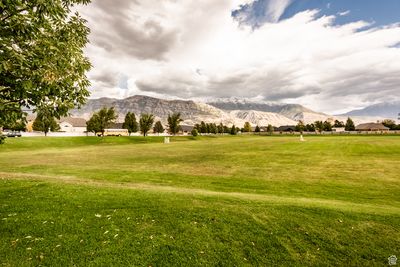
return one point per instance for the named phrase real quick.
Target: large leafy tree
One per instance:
(233, 130)
(247, 127)
(19, 125)
(270, 129)
(41, 57)
(93, 125)
(350, 125)
(130, 123)
(319, 126)
(310, 127)
(101, 120)
(174, 121)
(158, 127)
(391, 124)
(300, 127)
(221, 128)
(203, 127)
(338, 124)
(146, 122)
(327, 126)
(45, 122)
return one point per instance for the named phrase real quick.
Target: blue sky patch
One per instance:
(378, 12)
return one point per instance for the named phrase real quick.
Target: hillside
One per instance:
(192, 112)
(291, 111)
(386, 109)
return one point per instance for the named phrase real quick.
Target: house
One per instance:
(338, 129)
(72, 125)
(116, 129)
(186, 129)
(286, 128)
(371, 127)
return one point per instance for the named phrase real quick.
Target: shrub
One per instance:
(2, 139)
(195, 132)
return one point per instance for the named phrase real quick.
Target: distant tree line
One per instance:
(325, 126)
(320, 126)
(391, 124)
(106, 117)
(213, 128)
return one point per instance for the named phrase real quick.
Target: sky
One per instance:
(329, 55)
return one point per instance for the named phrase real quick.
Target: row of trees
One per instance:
(44, 122)
(104, 118)
(326, 126)
(391, 124)
(213, 128)
(348, 126)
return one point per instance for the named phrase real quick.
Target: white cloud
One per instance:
(344, 13)
(276, 8)
(160, 46)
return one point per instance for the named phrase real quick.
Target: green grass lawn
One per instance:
(209, 201)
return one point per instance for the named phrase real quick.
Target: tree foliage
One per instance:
(174, 121)
(93, 125)
(300, 127)
(257, 129)
(194, 132)
(41, 57)
(203, 127)
(158, 127)
(327, 126)
(349, 125)
(247, 127)
(233, 130)
(338, 124)
(17, 125)
(221, 128)
(45, 122)
(270, 129)
(130, 123)
(146, 122)
(101, 120)
(391, 124)
(310, 127)
(319, 126)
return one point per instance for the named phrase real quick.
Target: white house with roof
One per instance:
(72, 125)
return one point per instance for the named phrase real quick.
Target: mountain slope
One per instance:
(192, 112)
(262, 118)
(291, 111)
(144, 104)
(388, 110)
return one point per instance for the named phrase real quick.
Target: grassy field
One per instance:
(210, 201)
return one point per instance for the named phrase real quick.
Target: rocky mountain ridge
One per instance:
(226, 111)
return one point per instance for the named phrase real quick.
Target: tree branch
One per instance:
(14, 13)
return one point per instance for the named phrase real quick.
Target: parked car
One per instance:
(14, 134)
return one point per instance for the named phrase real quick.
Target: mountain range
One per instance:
(227, 111)
(389, 110)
